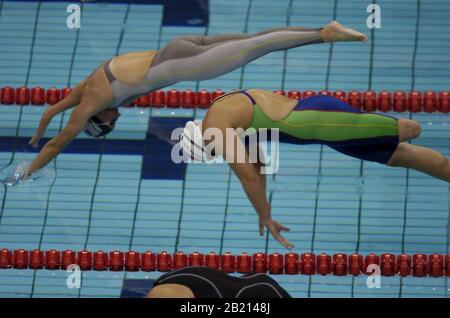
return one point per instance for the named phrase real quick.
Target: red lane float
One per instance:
(370, 101)
(180, 260)
(7, 95)
(158, 99)
(37, 96)
(36, 259)
(173, 98)
(340, 95)
(339, 264)
(291, 263)
(307, 94)
(354, 99)
(196, 259)
(430, 102)
(164, 262)
(212, 260)
(294, 95)
(436, 265)
(53, 96)
(189, 99)
(148, 261)
(143, 101)
(444, 102)
(228, 263)
(307, 264)
(388, 265)
(65, 92)
(52, 259)
(323, 264)
(100, 262)
(400, 102)
(383, 101)
(355, 264)
(204, 99)
(276, 263)
(132, 261)
(404, 265)
(415, 102)
(116, 261)
(22, 96)
(67, 258)
(244, 263)
(19, 259)
(84, 260)
(260, 263)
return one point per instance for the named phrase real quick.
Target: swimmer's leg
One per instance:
(199, 58)
(422, 159)
(408, 129)
(415, 157)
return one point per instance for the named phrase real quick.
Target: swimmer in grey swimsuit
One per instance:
(197, 58)
(187, 58)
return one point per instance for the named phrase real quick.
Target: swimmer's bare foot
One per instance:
(336, 32)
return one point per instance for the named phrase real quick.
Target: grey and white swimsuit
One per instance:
(196, 58)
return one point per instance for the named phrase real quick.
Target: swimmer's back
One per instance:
(209, 283)
(132, 68)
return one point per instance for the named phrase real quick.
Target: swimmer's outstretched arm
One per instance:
(55, 146)
(69, 102)
(253, 183)
(255, 189)
(194, 58)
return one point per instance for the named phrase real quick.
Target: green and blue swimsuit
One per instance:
(329, 121)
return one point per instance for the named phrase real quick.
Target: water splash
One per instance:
(14, 175)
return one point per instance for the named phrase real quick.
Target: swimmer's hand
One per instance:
(14, 179)
(275, 228)
(20, 175)
(17, 178)
(35, 139)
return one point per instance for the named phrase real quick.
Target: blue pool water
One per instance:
(122, 193)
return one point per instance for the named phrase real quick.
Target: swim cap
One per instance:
(191, 141)
(96, 128)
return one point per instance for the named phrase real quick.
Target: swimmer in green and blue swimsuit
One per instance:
(316, 120)
(329, 121)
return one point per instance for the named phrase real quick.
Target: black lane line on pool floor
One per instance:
(19, 119)
(144, 150)
(413, 84)
(289, 9)
(316, 204)
(361, 171)
(61, 124)
(227, 199)
(183, 185)
(99, 162)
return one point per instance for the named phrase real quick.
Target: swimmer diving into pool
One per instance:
(316, 120)
(187, 58)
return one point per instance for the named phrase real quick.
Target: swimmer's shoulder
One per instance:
(234, 110)
(273, 105)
